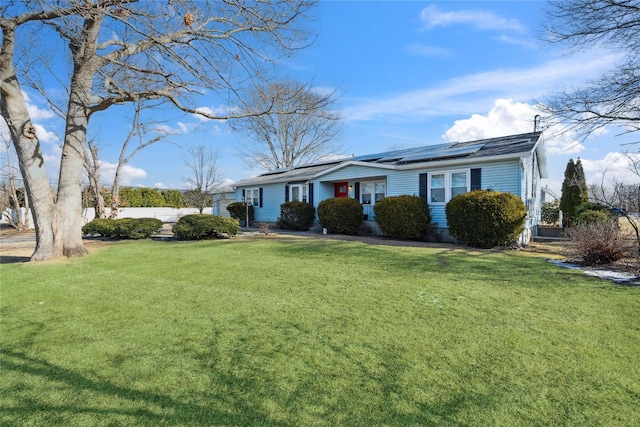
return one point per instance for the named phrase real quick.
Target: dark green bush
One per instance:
(341, 215)
(136, 228)
(203, 226)
(238, 210)
(296, 215)
(102, 226)
(486, 218)
(123, 228)
(592, 212)
(403, 217)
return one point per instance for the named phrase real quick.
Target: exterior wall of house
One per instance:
(520, 177)
(501, 176)
(272, 198)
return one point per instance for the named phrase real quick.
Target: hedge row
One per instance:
(123, 228)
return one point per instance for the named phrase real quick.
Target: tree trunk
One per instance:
(69, 201)
(30, 158)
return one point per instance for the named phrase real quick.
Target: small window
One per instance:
(252, 195)
(298, 193)
(437, 188)
(458, 183)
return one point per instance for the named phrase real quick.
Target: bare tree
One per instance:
(624, 199)
(301, 128)
(613, 98)
(123, 51)
(204, 179)
(146, 133)
(11, 201)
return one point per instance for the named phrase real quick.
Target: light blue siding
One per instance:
(505, 176)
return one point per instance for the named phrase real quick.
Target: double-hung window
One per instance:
(252, 195)
(443, 186)
(299, 193)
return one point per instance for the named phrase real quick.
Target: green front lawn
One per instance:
(296, 332)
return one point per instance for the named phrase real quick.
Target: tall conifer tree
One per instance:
(574, 190)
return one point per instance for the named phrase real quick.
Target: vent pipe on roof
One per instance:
(536, 122)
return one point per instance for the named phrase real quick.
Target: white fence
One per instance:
(163, 214)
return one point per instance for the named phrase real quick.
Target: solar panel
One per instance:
(441, 151)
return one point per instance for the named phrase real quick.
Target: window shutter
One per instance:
(476, 179)
(260, 197)
(423, 185)
(286, 193)
(356, 191)
(311, 193)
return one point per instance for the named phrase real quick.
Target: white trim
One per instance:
(447, 184)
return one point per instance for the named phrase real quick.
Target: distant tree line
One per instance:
(140, 197)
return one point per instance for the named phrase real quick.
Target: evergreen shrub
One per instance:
(136, 228)
(203, 226)
(103, 226)
(340, 215)
(238, 210)
(403, 217)
(485, 218)
(296, 216)
(123, 228)
(588, 212)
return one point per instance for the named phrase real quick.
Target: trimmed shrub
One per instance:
(203, 226)
(238, 210)
(485, 218)
(597, 243)
(403, 217)
(341, 215)
(136, 228)
(102, 226)
(123, 228)
(296, 215)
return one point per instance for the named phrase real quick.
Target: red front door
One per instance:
(341, 189)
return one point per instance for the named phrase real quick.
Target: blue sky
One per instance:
(408, 73)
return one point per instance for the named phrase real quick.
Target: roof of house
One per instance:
(512, 146)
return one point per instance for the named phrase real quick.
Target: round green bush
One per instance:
(341, 215)
(296, 215)
(123, 228)
(592, 212)
(485, 218)
(102, 226)
(238, 210)
(136, 228)
(203, 226)
(403, 217)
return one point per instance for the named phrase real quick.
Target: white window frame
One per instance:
(373, 194)
(448, 181)
(252, 195)
(303, 191)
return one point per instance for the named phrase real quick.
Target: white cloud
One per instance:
(219, 111)
(36, 113)
(127, 173)
(509, 118)
(45, 135)
(160, 185)
(614, 166)
(433, 17)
